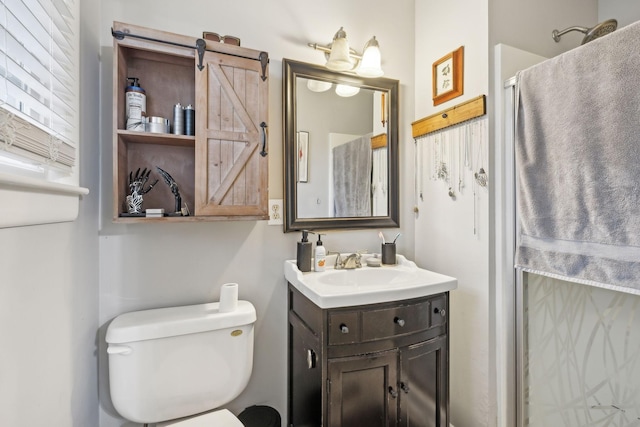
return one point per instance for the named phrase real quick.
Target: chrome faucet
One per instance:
(350, 262)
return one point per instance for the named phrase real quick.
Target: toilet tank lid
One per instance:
(174, 321)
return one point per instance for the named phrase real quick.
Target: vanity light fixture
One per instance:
(340, 57)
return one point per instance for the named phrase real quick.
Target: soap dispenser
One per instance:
(304, 252)
(320, 256)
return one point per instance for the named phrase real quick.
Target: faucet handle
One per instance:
(339, 262)
(359, 256)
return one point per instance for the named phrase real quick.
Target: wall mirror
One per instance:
(340, 149)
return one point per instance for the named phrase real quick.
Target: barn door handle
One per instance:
(263, 152)
(393, 393)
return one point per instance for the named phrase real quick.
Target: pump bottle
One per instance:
(304, 253)
(136, 107)
(321, 252)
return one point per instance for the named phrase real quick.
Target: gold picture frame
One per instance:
(448, 74)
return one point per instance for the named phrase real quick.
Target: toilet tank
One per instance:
(173, 362)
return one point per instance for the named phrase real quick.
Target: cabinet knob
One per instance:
(404, 387)
(398, 321)
(442, 311)
(344, 329)
(311, 359)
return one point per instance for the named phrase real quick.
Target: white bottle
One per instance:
(320, 257)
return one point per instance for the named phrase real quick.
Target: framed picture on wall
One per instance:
(303, 156)
(448, 74)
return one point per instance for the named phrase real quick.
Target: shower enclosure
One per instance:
(575, 361)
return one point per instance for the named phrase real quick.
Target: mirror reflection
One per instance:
(340, 149)
(348, 174)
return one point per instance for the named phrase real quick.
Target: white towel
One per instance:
(578, 162)
(352, 178)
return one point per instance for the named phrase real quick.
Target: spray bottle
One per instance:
(136, 105)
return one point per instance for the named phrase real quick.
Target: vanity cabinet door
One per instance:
(305, 380)
(424, 384)
(363, 390)
(231, 137)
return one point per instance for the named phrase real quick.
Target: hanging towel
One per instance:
(578, 163)
(352, 178)
(379, 182)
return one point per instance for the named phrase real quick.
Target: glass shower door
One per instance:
(581, 356)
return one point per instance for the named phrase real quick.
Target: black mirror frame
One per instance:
(290, 72)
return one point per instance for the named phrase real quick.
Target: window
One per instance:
(39, 101)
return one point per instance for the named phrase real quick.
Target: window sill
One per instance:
(30, 201)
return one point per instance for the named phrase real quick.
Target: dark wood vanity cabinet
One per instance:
(373, 365)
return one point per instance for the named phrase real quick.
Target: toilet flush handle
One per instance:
(119, 349)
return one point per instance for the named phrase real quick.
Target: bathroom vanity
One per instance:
(372, 364)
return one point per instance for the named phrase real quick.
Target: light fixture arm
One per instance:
(327, 50)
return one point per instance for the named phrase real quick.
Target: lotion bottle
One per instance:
(303, 259)
(136, 105)
(321, 252)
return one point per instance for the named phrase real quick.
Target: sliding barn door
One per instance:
(231, 137)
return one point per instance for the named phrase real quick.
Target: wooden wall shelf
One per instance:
(379, 141)
(468, 110)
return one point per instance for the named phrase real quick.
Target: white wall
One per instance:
(445, 239)
(146, 266)
(49, 290)
(624, 11)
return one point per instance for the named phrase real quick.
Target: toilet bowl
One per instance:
(172, 365)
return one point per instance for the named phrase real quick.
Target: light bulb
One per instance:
(339, 58)
(370, 64)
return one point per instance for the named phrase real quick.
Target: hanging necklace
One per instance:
(461, 147)
(481, 176)
(451, 174)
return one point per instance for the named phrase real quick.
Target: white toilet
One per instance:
(170, 363)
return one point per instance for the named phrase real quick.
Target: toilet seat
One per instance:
(220, 418)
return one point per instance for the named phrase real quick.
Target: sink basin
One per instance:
(367, 285)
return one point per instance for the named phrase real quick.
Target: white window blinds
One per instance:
(39, 44)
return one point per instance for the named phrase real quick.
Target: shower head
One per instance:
(601, 29)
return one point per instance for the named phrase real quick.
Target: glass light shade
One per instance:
(339, 58)
(318, 86)
(370, 64)
(346, 90)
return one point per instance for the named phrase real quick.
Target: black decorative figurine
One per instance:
(173, 185)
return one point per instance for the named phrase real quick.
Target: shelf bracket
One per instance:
(462, 112)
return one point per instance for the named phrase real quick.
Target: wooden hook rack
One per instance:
(468, 110)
